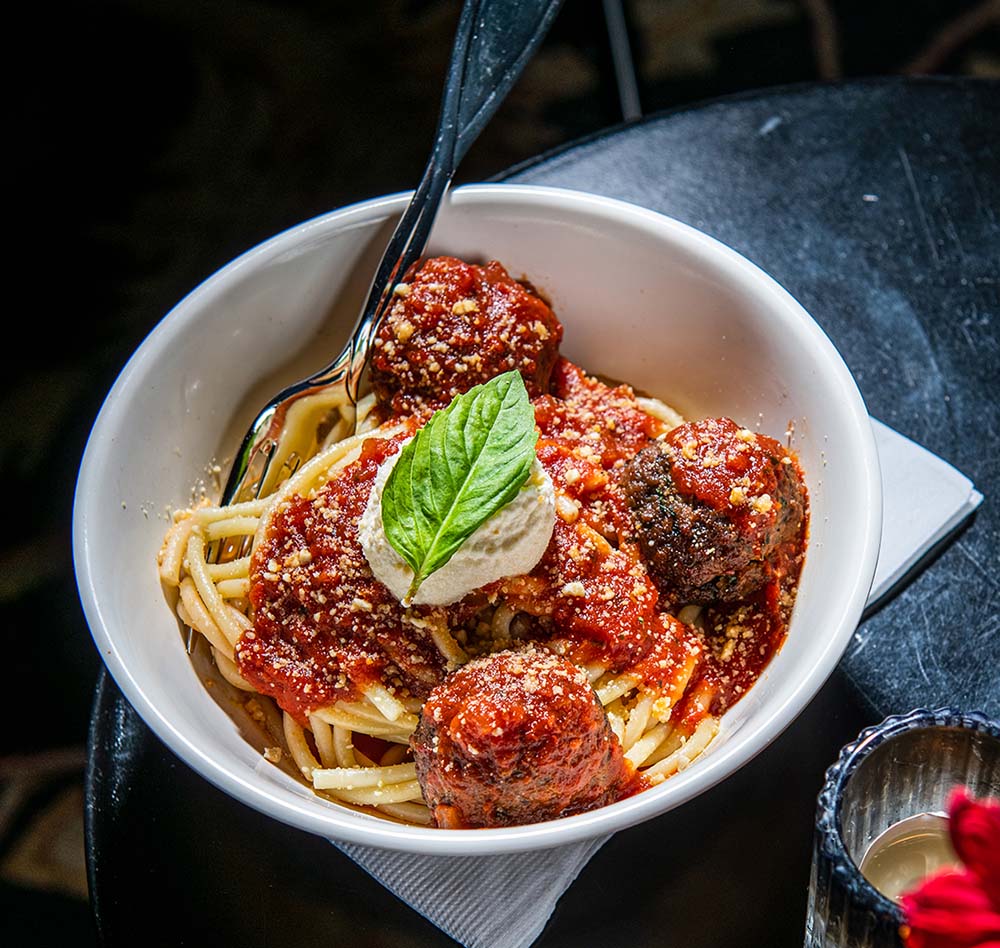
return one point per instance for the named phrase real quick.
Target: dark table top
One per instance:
(876, 204)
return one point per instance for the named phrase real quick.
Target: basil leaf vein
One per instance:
(464, 465)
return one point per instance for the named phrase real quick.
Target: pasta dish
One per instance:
(617, 577)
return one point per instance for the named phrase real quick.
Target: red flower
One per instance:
(960, 908)
(949, 909)
(975, 834)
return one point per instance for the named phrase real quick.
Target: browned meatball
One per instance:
(514, 738)
(710, 505)
(455, 325)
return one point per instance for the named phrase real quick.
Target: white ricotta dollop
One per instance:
(510, 543)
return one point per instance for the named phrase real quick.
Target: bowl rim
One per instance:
(342, 824)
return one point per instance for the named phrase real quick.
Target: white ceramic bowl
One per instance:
(643, 298)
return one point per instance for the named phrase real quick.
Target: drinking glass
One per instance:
(903, 767)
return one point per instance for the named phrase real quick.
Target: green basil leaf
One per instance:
(466, 463)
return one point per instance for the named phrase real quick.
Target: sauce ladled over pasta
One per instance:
(665, 588)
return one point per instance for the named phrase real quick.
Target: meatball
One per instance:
(710, 505)
(455, 325)
(516, 737)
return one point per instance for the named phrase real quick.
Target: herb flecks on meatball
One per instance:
(710, 505)
(514, 738)
(455, 325)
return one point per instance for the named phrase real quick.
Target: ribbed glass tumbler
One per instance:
(905, 766)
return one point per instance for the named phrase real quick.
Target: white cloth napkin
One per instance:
(459, 893)
(924, 499)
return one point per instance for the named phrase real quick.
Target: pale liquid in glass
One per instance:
(906, 852)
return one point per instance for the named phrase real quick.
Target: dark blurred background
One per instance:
(155, 141)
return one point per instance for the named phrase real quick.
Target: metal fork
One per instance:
(493, 42)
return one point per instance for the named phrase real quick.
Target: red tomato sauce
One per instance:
(714, 465)
(745, 636)
(324, 627)
(454, 325)
(492, 746)
(590, 591)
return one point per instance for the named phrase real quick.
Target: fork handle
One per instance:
(493, 42)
